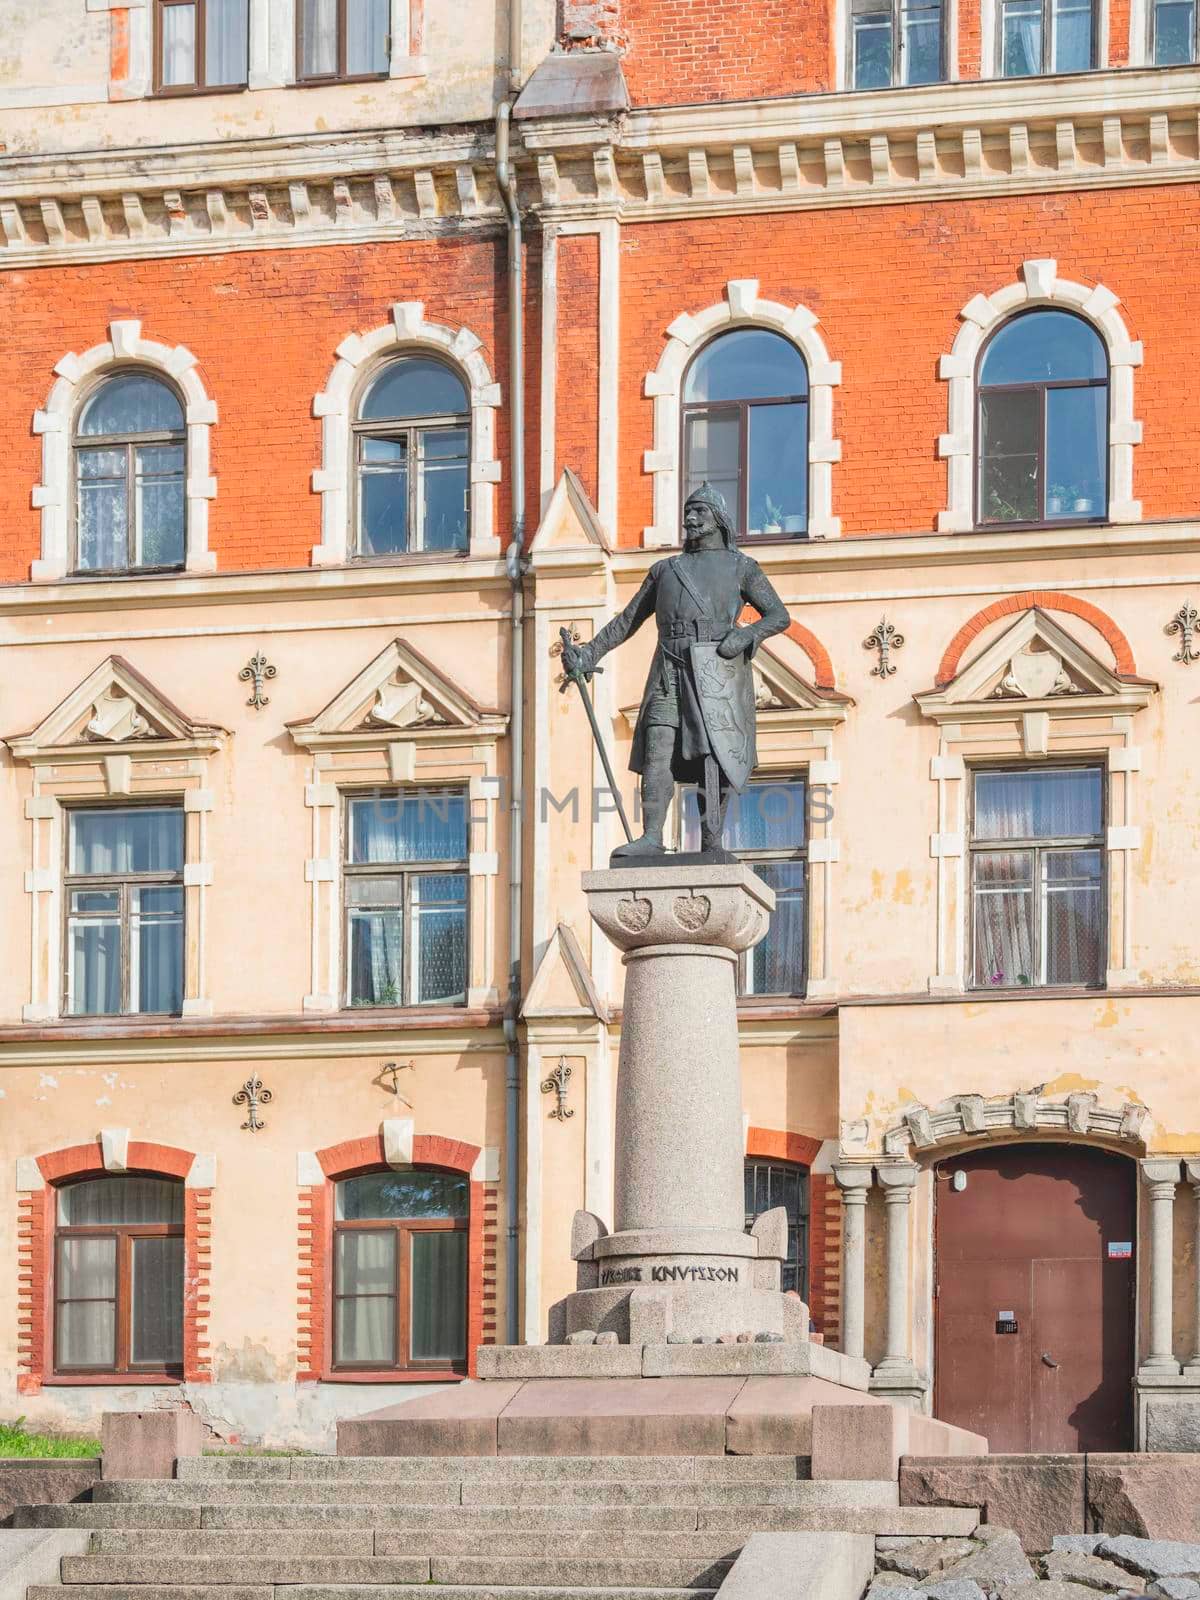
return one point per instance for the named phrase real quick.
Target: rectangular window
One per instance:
(1038, 878)
(124, 911)
(405, 871)
(413, 489)
(1174, 27)
(767, 827)
(1039, 36)
(896, 43)
(343, 39)
(201, 45)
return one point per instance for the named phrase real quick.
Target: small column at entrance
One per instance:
(854, 1181)
(1191, 1171)
(1161, 1178)
(896, 1374)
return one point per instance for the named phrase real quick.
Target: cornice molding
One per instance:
(992, 137)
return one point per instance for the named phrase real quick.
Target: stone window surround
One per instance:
(113, 1151)
(272, 58)
(741, 308)
(396, 1147)
(970, 731)
(1040, 285)
(359, 358)
(124, 350)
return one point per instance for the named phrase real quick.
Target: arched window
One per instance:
(118, 1276)
(745, 430)
(412, 445)
(130, 471)
(400, 1271)
(782, 1183)
(1043, 422)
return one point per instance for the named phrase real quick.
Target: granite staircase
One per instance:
(510, 1528)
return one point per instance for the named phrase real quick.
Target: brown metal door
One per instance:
(1034, 1297)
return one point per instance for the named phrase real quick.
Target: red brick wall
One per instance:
(264, 327)
(35, 1236)
(887, 283)
(314, 1300)
(577, 397)
(695, 50)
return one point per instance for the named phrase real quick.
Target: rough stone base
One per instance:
(694, 1416)
(1152, 1497)
(1038, 1495)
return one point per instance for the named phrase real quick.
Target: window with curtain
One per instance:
(896, 43)
(339, 39)
(130, 470)
(745, 431)
(770, 1184)
(1173, 32)
(201, 45)
(405, 870)
(767, 827)
(1039, 36)
(400, 1270)
(412, 445)
(118, 1276)
(1038, 877)
(1042, 424)
(124, 911)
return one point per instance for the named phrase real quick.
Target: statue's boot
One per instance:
(648, 845)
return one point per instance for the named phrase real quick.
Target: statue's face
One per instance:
(700, 528)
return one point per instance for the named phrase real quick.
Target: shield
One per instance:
(725, 690)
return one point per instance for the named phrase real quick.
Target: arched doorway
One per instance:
(1034, 1296)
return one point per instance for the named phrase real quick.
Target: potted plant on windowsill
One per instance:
(793, 525)
(1058, 499)
(773, 526)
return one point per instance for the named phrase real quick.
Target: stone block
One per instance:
(868, 1440)
(1041, 1496)
(926, 1558)
(997, 1562)
(147, 1444)
(1153, 1558)
(1074, 1566)
(33, 1556)
(1171, 1425)
(450, 1422)
(1154, 1497)
(582, 1417)
(39, 1483)
(801, 1566)
(773, 1415)
(522, 1362)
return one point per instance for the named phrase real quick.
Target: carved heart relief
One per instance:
(692, 911)
(634, 914)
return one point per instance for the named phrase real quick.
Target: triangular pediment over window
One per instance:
(115, 710)
(1034, 666)
(563, 985)
(783, 699)
(399, 693)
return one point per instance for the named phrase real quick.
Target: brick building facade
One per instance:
(272, 576)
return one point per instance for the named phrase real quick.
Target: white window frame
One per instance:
(124, 350)
(1040, 285)
(741, 308)
(407, 333)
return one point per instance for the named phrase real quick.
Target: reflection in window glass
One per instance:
(745, 430)
(897, 43)
(1174, 32)
(130, 509)
(413, 475)
(1046, 36)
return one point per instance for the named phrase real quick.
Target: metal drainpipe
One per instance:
(515, 562)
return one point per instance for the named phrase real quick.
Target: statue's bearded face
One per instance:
(700, 527)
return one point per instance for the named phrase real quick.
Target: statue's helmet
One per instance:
(706, 495)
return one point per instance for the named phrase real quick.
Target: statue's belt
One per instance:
(700, 630)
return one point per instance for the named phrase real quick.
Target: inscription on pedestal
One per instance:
(695, 1273)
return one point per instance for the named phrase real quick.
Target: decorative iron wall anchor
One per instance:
(884, 638)
(252, 1095)
(262, 672)
(1184, 623)
(556, 1084)
(389, 1077)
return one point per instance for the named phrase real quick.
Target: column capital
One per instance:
(854, 1179)
(897, 1180)
(1191, 1172)
(1159, 1173)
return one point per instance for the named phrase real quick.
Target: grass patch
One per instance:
(16, 1444)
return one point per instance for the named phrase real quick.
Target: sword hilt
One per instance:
(578, 676)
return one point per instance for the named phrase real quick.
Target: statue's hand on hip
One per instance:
(735, 643)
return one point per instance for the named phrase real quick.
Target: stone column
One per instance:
(1160, 1178)
(897, 1179)
(854, 1181)
(1191, 1171)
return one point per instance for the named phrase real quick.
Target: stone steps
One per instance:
(421, 1521)
(385, 1571)
(437, 1469)
(488, 1591)
(226, 1544)
(467, 1492)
